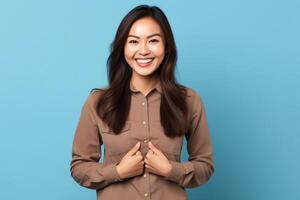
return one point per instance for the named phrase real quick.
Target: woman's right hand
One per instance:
(132, 164)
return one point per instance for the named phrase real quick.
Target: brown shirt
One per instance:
(143, 124)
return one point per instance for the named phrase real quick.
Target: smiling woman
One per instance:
(141, 118)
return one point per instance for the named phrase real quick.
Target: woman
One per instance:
(141, 118)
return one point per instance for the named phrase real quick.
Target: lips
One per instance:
(144, 62)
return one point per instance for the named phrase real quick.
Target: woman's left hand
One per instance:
(156, 162)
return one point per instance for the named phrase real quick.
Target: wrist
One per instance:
(119, 171)
(168, 169)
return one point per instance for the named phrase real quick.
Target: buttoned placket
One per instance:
(145, 122)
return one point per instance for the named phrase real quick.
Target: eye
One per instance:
(154, 40)
(133, 41)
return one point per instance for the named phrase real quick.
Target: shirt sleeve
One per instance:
(199, 167)
(86, 152)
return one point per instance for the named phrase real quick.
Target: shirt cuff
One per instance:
(179, 170)
(176, 172)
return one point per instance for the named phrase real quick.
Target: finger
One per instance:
(153, 148)
(149, 167)
(134, 149)
(139, 157)
(137, 172)
(150, 170)
(149, 153)
(141, 165)
(138, 153)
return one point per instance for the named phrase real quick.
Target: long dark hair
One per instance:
(114, 103)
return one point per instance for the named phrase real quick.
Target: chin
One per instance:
(145, 73)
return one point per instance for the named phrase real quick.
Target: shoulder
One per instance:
(91, 103)
(93, 96)
(192, 95)
(194, 100)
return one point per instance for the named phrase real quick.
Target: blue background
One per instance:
(241, 56)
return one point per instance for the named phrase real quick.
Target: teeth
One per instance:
(143, 61)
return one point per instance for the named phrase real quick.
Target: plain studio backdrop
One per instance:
(242, 57)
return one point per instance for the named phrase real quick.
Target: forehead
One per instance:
(144, 27)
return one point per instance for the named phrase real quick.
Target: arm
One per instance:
(199, 167)
(85, 167)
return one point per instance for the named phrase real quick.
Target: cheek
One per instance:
(129, 54)
(129, 51)
(158, 50)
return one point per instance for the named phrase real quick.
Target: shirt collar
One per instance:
(157, 86)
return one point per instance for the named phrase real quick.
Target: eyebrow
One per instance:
(149, 36)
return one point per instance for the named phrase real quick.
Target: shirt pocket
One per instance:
(117, 144)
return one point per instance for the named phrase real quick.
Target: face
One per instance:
(144, 47)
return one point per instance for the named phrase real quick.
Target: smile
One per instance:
(144, 62)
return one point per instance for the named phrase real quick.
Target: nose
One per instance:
(143, 49)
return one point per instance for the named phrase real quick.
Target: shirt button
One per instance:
(145, 175)
(144, 122)
(143, 103)
(145, 141)
(146, 194)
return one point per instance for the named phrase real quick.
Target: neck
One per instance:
(144, 83)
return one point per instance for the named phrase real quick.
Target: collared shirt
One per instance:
(143, 124)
